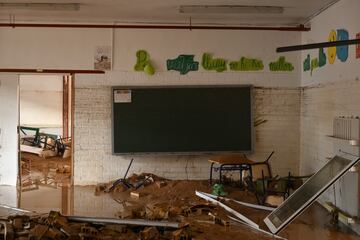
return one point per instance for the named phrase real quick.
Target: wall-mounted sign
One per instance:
(210, 63)
(143, 62)
(247, 64)
(183, 64)
(358, 47)
(102, 58)
(281, 65)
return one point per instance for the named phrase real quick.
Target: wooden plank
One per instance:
(31, 149)
(230, 159)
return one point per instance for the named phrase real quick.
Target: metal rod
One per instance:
(300, 28)
(15, 209)
(250, 205)
(260, 230)
(137, 222)
(317, 45)
(127, 171)
(228, 209)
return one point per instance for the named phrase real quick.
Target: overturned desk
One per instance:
(231, 162)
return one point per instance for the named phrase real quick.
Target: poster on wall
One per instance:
(102, 58)
(122, 96)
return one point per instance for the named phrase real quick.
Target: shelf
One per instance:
(351, 142)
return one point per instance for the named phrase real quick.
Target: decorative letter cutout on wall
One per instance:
(183, 64)
(331, 51)
(306, 63)
(314, 64)
(281, 65)
(322, 58)
(209, 63)
(247, 64)
(143, 62)
(342, 52)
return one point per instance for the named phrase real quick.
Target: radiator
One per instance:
(346, 128)
(346, 135)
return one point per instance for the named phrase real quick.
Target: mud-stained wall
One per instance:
(94, 162)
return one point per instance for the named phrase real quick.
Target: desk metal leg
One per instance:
(211, 171)
(241, 178)
(220, 173)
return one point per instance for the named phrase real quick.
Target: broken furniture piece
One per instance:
(235, 162)
(239, 217)
(270, 190)
(304, 196)
(30, 135)
(121, 180)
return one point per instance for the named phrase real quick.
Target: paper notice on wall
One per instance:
(102, 58)
(122, 96)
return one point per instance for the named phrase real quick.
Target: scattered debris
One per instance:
(136, 194)
(160, 184)
(228, 209)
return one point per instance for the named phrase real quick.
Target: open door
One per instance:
(45, 128)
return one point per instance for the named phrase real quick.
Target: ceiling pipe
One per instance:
(51, 71)
(300, 28)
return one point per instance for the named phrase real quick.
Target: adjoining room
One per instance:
(45, 135)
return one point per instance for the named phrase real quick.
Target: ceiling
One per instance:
(166, 12)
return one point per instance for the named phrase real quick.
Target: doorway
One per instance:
(45, 139)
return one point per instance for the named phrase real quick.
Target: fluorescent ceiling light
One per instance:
(40, 6)
(230, 9)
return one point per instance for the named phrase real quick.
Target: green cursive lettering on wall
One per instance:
(209, 63)
(306, 63)
(247, 64)
(281, 65)
(143, 63)
(183, 64)
(322, 57)
(314, 64)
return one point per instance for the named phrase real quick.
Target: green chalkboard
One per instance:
(182, 119)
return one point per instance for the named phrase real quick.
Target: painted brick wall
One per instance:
(94, 162)
(320, 104)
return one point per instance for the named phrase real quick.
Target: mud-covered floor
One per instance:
(38, 171)
(170, 202)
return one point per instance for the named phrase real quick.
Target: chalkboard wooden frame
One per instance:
(192, 153)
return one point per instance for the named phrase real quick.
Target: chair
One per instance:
(231, 162)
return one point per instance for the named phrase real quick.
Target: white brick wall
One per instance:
(94, 162)
(320, 104)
